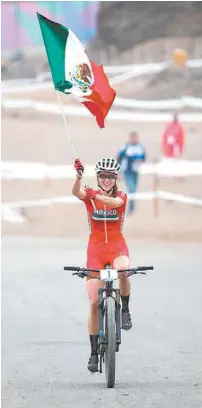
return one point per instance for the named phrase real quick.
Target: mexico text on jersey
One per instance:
(102, 217)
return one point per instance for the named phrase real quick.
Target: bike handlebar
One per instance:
(137, 269)
(72, 268)
(82, 272)
(78, 269)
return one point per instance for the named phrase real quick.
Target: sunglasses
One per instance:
(107, 176)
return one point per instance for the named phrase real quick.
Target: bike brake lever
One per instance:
(129, 274)
(135, 273)
(81, 275)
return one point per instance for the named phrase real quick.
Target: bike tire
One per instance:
(110, 348)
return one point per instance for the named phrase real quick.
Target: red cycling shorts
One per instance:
(99, 255)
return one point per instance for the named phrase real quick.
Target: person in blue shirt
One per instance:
(130, 157)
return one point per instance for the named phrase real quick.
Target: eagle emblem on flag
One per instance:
(81, 77)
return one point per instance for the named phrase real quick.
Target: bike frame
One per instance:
(108, 291)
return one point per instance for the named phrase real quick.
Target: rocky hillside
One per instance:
(124, 25)
(137, 32)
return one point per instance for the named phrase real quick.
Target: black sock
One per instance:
(125, 301)
(93, 342)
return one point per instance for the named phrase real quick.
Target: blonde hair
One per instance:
(114, 191)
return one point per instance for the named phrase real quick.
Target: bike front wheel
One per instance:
(110, 348)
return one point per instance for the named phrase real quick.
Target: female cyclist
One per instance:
(106, 210)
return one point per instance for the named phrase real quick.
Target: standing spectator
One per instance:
(173, 139)
(130, 157)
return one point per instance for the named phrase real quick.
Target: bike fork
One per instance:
(118, 320)
(101, 338)
(100, 316)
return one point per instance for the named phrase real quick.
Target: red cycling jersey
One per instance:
(104, 221)
(106, 241)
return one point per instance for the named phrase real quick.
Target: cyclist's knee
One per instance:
(122, 262)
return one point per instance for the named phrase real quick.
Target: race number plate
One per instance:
(108, 274)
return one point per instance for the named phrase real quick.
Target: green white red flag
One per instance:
(72, 71)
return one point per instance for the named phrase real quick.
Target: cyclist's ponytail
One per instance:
(114, 191)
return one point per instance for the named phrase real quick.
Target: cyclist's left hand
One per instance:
(90, 193)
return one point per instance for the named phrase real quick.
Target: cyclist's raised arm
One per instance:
(77, 190)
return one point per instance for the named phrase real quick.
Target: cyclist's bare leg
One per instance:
(92, 287)
(123, 262)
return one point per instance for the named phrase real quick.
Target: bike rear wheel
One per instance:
(110, 348)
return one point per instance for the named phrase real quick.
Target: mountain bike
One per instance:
(109, 312)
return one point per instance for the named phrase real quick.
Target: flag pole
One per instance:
(69, 136)
(67, 130)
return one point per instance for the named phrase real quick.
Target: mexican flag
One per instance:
(73, 73)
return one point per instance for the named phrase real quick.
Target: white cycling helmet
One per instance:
(109, 165)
